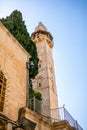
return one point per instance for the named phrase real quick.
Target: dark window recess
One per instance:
(39, 84)
(40, 63)
(39, 66)
(37, 35)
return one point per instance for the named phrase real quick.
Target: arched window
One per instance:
(2, 90)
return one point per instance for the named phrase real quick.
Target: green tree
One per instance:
(15, 24)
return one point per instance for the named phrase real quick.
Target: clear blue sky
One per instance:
(67, 22)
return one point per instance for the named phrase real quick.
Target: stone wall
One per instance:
(13, 58)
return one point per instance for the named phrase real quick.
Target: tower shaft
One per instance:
(45, 80)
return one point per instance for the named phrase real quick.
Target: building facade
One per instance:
(14, 79)
(13, 75)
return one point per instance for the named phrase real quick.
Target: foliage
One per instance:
(38, 95)
(35, 100)
(15, 24)
(33, 93)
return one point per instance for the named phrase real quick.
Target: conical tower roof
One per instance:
(40, 27)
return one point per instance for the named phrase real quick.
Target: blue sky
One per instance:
(66, 20)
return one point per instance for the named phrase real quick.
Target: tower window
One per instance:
(40, 63)
(2, 90)
(39, 84)
(39, 66)
(37, 35)
(39, 81)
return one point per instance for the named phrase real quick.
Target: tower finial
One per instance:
(40, 27)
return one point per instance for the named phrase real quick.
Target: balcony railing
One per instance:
(65, 115)
(56, 115)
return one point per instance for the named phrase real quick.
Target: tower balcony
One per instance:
(41, 35)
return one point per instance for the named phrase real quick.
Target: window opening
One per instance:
(39, 82)
(2, 90)
(40, 63)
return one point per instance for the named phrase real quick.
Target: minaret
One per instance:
(45, 80)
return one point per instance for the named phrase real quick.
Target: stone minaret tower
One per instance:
(45, 80)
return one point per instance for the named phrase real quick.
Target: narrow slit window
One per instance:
(40, 63)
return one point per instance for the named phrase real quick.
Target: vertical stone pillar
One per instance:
(9, 126)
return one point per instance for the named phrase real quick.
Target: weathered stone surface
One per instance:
(13, 60)
(62, 125)
(46, 76)
(9, 126)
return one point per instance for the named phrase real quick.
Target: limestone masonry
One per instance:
(45, 80)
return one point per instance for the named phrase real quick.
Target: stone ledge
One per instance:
(62, 125)
(41, 120)
(35, 117)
